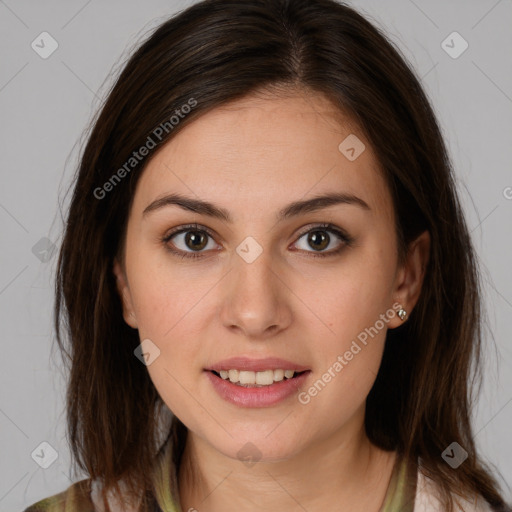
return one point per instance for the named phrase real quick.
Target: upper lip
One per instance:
(256, 365)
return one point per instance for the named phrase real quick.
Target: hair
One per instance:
(214, 52)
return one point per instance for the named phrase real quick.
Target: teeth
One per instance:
(264, 378)
(256, 379)
(247, 377)
(278, 375)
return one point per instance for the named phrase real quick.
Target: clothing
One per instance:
(426, 500)
(408, 491)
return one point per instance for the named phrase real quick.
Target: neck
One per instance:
(343, 469)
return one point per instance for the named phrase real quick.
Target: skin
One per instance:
(252, 157)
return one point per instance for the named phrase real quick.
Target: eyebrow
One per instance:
(291, 210)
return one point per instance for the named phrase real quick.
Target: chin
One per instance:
(258, 446)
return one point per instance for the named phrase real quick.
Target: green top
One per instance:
(400, 494)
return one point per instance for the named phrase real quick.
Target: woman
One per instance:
(265, 239)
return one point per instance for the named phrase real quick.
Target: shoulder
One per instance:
(427, 498)
(84, 496)
(76, 498)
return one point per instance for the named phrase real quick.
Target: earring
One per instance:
(402, 313)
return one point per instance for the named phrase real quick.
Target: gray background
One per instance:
(45, 105)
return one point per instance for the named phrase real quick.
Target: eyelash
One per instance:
(346, 239)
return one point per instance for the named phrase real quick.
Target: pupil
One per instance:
(322, 240)
(197, 239)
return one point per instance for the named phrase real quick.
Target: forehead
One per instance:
(266, 150)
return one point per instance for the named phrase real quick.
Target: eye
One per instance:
(192, 240)
(319, 239)
(193, 237)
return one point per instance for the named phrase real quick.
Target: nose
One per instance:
(256, 299)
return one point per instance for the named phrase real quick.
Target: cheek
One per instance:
(167, 308)
(352, 310)
(351, 296)
(166, 302)
(168, 312)
(163, 291)
(347, 358)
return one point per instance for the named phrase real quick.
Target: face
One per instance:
(253, 277)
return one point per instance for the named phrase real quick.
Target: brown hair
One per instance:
(218, 51)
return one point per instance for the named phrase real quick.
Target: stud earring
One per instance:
(402, 313)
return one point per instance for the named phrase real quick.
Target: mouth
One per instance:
(259, 379)
(246, 382)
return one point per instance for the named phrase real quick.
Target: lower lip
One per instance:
(264, 396)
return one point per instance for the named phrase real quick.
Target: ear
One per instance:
(410, 276)
(125, 295)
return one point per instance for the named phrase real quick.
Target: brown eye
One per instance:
(196, 240)
(321, 237)
(189, 241)
(318, 239)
